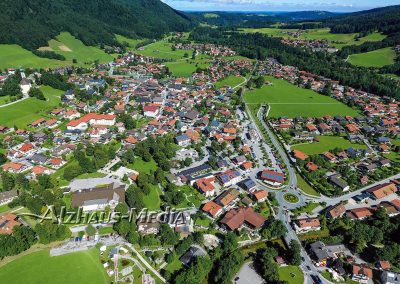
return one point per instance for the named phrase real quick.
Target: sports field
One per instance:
(72, 48)
(39, 267)
(291, 274)
(377, 58)
(327, 143)
(289, 100)
(23, 113)
(232, 81)
(14, 56)
(337, 40)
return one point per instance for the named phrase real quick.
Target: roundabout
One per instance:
(291, 198)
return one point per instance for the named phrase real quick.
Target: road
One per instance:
(307, 265)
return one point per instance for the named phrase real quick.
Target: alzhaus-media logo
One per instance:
(170, 216)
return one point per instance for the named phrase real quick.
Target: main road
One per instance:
(307, 264)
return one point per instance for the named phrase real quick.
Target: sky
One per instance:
(277, 5)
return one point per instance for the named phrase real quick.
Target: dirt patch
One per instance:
(63, 47)
(45, 48)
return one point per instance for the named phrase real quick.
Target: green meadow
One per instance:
(14, 56)
(231, 81)
(185, 68)
(40, 267)
(377, 58)
(130, 41)
(72, 48)
(23, 113)
(337, 40)
(162, 49)
(289, 100)
(327, 143)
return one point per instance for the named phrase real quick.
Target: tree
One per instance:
(122, 227)
(275, 229)
(295, 253)
(266, 264)
(37, 93)
(167, 235)
(90, 230)
(259, 81)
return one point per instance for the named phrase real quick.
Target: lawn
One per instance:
(193, 197)
(327, 143)
(175, 265)
(306, 209)
(152, 200)
(39, 267)
(185, 68)
(12, 55)
(231, 81)
(291, 198)
(72, 48)
(4, 208)
(289, 100)
(336, 40)
(304, 186)
(329, 277)
(162, 49)
(23, 113)
(91, 175)
(291, 274)
(142, 166)
(377, 58)
(131, 42)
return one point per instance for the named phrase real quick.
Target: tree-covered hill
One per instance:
(31, 23)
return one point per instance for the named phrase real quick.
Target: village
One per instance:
(128, 133)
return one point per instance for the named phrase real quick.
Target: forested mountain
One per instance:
(386, 20)
(256, 19)
(31, 23)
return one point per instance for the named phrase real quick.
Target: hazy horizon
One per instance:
(276, 6)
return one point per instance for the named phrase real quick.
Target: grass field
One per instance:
(377, 58)
(14, 56)
(162, 49)
(130, 41)
(185, 68)
(337, 40)
(291, 274)
(142, 166)
(304, 186)
(327, 143)
(152, 200)
(39, 267)
(23, 113)
(231, 81)
(289, 100)
(72, 48)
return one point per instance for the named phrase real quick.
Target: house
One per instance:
(98, 198)
(306, 225)
(236, 218)
(389, 277)
(260, 195)
(151, 111)
(248, 184)
(359, 213)
(228, 197)
(13, 167)
(382, 190)
(361, 273)
(339, 182)
(7, 223)
(7, 196)
(322, 253)
(328, 156)
(384, 265)
(25, 85)
(229, 178)
(272, 178)
(91, 119)
(193, 253)
(299, 155)
(212, 208)
(311, 166)
(336, 211)
(183, 140)
(205, 186)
